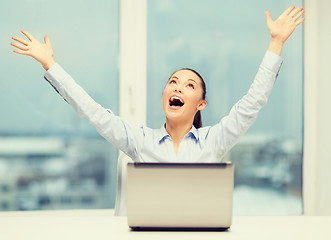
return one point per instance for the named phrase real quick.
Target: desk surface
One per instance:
(101, 224)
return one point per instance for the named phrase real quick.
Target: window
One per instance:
(49, 157)
(225, 43)
(58, 161)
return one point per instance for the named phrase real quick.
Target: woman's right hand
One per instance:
(42, 52)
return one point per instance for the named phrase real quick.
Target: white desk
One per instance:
(101, 224)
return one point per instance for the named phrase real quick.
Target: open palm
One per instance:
(285, 24)
(42, 52)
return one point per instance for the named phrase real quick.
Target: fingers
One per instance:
(287, 11)
(21, 52)
(28, 35)
(268, 16)
(47, 40)
(296, 17)
(19, 46)
(20, 40)
(300, 21)
(293, 13)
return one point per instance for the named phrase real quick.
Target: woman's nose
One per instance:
(178, 90)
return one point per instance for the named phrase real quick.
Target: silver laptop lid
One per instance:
(180, 195)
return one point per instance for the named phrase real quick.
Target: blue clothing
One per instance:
(143, 144)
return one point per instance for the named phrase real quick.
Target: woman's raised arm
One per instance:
(110, 126)
(42, 52)
(245, 111)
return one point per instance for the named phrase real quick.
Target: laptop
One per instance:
(179, 195)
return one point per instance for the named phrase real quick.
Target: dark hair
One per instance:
(197, 118)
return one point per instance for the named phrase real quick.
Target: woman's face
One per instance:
(182, 96)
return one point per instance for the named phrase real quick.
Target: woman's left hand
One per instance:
(285, 24)
(283, 27)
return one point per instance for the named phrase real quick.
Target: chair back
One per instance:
(120, 205)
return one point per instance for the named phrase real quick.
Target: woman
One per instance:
(181, 139)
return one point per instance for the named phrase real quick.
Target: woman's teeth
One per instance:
(176, 101)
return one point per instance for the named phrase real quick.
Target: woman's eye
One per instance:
(172, 81)
(190, 85)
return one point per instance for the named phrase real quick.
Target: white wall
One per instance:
(317, 117)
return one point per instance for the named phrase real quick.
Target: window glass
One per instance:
(225, 42)
(49, 157)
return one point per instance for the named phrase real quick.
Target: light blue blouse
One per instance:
(143, 144)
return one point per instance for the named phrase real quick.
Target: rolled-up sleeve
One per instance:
(110, 126)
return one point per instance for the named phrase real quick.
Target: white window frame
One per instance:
(132, 61)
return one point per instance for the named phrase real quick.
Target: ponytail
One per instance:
(197, 120)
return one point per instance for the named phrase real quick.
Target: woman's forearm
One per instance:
(48, 63)
(276, 46)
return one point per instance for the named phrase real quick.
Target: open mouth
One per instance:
(175, 101)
